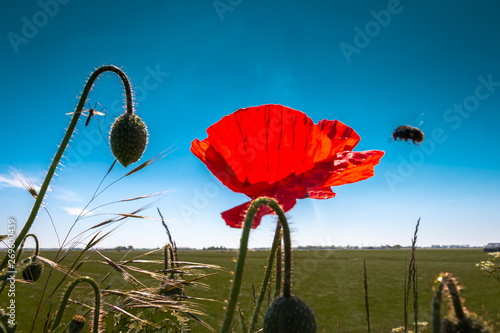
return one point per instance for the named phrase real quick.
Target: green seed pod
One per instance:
(289, 315)
(128, 138)
(77, 324)
(33, 271)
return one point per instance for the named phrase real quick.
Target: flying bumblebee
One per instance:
(407, 132)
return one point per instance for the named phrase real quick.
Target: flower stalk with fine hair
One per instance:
(240, 263)
(275, 249)
(62, 147)
(436, 301)
(64, 303)
(36, 252)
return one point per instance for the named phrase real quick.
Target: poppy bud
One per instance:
(128, 138)
(289, 315)
(33, 271)
(77, 324)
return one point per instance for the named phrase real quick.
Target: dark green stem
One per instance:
(436, 305)
(267, 276)
(64, 144)
(240, 264)
(64, 303)
(37, 247)
(279, 266)
(18, 256)
(367, 307)
(455, 298)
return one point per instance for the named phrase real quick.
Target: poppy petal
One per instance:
(352, 167)
(323, 193)
(262, 143)
(199, 149)
(276, 151)
(342, 136)
(235, 217)
(270, 142)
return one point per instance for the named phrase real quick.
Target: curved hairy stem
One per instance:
(269, 268)
(64, 303)
(64, 144)
(455, 298)
(37, 247)
(279, 266)
(240, 264)
(18, 256)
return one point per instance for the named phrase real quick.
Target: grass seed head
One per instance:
(128, 138)
(33, 271)
(290, 315)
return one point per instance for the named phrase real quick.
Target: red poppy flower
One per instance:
(278, 152)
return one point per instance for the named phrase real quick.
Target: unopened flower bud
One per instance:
(291, 315)
(33, 271)
(77, 324)
(128, 138)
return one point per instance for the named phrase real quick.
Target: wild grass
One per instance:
(141, 287)
(330, 281)
(137, 292)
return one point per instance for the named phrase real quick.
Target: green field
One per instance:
(330, 281)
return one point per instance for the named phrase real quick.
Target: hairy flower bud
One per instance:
(33, 271)
(289, 315)
(77, 324)
(128, 138)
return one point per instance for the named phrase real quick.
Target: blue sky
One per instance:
(372, 65)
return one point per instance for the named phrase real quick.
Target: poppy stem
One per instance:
(265, 282)
(240, 263)
(436, 302)
(455, 298)
(64, 303)
(64, 144)
(18, 256)
(37, 247)
(279, 265)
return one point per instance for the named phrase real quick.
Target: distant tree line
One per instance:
(215, 248)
